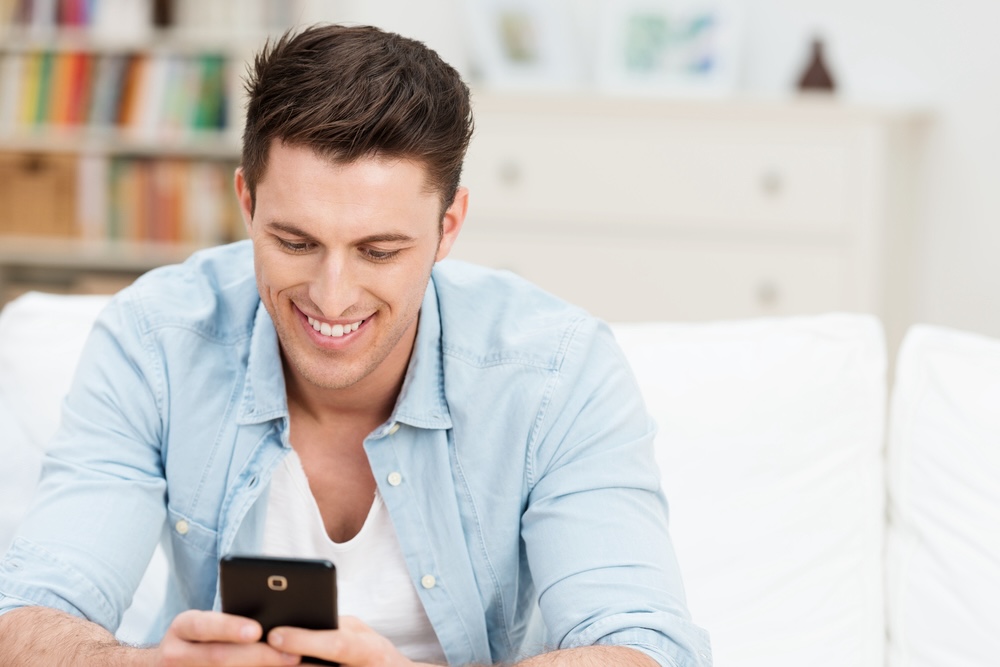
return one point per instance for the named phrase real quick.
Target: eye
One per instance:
(376, 255)
(294, 246)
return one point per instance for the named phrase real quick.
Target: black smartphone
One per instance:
(296, 592)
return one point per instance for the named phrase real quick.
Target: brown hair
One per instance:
(354, 92)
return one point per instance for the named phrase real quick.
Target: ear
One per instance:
(451, 225)
(245, 200)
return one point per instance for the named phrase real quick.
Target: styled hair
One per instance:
(357, 92)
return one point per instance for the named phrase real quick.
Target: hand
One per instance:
(210, 639)
(354, 644)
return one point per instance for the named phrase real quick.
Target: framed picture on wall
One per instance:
(524, 44)
(669, 47)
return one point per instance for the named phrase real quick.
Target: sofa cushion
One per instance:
(41, 337)
(943, 572)
(770, 447)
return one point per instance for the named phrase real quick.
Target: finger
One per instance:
(344, 646)
(352, 624)
(214, 654)
(211, 626)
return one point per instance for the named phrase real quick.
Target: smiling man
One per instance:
(472, 453)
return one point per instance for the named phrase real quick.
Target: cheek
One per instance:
(404, 290)
(277, 272)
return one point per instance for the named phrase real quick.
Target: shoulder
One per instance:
(491, 317)
(213, 294)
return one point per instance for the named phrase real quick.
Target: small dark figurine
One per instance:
(816, 76)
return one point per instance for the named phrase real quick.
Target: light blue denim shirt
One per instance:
(517, 465)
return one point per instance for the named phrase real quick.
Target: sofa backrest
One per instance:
(770, 448)
(943, 556)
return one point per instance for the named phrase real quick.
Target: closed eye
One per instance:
(294, 246)
(376, 255)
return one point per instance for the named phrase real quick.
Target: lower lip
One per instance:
(331, 342)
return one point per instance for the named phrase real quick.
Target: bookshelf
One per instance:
(120, 126)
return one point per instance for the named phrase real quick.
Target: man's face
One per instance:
(343, 253)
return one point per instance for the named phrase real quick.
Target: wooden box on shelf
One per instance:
(37, 194)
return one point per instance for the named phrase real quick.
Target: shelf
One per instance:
(186, 41)
(82, 254)
(113, 141)
(78, 266)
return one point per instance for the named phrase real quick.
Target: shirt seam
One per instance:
(481, 544)
(550, 388)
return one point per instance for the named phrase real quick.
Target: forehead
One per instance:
(282, 155)
(317, 193)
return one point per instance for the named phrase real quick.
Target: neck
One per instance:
(370, 399)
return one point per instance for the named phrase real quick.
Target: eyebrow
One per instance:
(387, 237)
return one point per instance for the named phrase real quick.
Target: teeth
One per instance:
(335, 330)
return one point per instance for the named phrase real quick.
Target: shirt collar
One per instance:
(264, 396)
(421, 401)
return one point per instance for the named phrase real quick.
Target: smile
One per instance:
(333, 330)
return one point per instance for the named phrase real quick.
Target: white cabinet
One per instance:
(645, 209)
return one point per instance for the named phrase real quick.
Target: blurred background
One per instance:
(648, 159)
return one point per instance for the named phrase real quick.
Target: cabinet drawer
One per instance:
(655, 172)
(649, 280)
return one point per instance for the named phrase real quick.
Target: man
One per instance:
(462, 445)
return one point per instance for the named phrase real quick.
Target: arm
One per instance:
(32, 636)
(591, 656)
(596, 523)
(356, 645)
(41, 637)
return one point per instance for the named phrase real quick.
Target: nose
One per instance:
(336, 289)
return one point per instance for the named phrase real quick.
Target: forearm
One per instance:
(42, 637)
(591, 656)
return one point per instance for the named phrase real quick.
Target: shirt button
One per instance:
(393, 428)
(395, 479)
(182, 527)
(428, 581)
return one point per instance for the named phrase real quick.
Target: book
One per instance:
(131, 89)
(93, 178)
(210, 101)
(81, 85)
(150, 99)
(45, 85)
(60, 85)
(11, 89)
(31, 75)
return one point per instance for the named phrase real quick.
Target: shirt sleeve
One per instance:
(596, 524)
(99, 509)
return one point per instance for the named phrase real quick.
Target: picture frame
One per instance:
(687, 48)
(524, 44)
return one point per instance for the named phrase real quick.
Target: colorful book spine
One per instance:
(155, 95)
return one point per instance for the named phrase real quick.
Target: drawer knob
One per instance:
(510, 173)
(768, 294)
(772, 183)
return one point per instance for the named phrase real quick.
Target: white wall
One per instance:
(943, 56)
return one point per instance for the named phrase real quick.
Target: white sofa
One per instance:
(809, 533)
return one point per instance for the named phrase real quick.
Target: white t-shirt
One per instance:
(373, 583)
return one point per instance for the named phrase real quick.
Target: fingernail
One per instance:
(275, 639)
(247, 632)
(290, 659)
